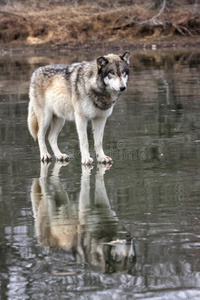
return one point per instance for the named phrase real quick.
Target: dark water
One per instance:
(131, 231)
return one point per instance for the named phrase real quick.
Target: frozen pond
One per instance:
(131, 231)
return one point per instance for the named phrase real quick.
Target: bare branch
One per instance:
(11, 14)
(181, 28)
(155, 17)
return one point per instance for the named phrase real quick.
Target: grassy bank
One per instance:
(53, 24)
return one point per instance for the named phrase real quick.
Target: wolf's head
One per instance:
(114, 71)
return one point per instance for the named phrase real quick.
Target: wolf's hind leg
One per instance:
(56, 126)
(44, 123)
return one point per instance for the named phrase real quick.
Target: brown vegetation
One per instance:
(63, 22)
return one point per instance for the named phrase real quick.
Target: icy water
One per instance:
(129, 231)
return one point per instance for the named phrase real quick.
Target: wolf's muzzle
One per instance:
(122, 88)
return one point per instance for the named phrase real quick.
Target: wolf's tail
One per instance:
(32, 121)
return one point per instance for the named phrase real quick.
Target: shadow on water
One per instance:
(130, 232)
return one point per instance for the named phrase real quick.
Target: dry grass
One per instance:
(50, 22)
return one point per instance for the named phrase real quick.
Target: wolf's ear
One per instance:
(125, 57)
(101, 61)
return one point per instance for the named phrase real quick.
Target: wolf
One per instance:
(80, 92)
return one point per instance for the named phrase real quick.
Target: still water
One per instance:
(126, 231)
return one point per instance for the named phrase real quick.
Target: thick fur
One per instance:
(80, 92)
(87, 228)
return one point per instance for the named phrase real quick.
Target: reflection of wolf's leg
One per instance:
(63, 215)
(44, 169)
(43, 178)
(35, 196)
(98, 128)
(84, 211)
(101, 197)
(39, 197)
(84, 198)
(57, 166)
(61, 196)
(56, 126)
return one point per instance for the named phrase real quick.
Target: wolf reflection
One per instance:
(90, 230)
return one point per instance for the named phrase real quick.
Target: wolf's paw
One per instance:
(62, 157)
(87, 161)
(46, 157)
(105, 160)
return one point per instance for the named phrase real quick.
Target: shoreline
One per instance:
(21, 48)
(31, 27)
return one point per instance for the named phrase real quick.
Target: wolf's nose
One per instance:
(122, 88)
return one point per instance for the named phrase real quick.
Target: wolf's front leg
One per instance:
(98, 128)
(81, 125)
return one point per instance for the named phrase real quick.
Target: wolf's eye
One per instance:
(123, 73)
(112, 73)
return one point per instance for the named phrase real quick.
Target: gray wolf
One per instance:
(81, 92)
(86, 227)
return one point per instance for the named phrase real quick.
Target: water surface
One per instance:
(129, 231)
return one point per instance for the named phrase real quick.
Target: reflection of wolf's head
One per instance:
(90, 230)
(114, 71)
(119, 256)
